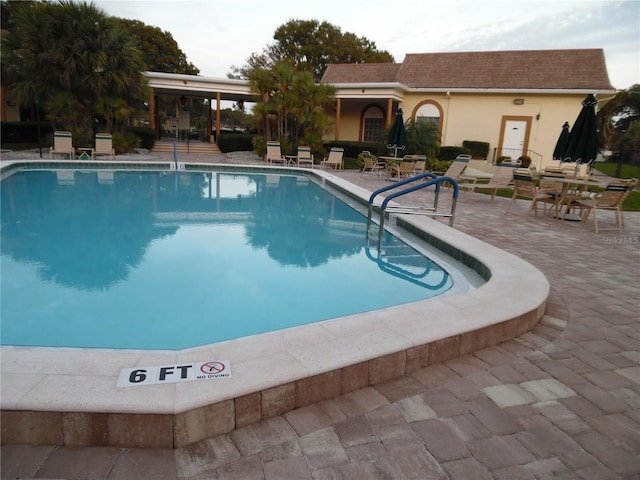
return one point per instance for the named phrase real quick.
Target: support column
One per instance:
(389, 115)
(209, 122)
(338, 114)
(153, 113)
(218, 118)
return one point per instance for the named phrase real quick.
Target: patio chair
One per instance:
(334, 159)
(104, 146)
(370, 165)
(62, 144)
(525, 188)
(611, 198)
(551, 183)
(274, 155)
(305, 157)
(406, 168)
(501, 179)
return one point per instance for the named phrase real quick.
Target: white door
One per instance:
(515, 132)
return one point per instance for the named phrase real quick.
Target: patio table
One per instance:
(571, 191)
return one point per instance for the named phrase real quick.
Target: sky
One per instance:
(216, 35)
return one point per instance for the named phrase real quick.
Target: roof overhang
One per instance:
(197, 86)
(236, 89)
(394, 90)
(512, 91)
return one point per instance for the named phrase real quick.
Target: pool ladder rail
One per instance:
(432, 211)
(403, 262)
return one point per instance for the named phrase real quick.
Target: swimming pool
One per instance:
(69, 396)
(172, 260)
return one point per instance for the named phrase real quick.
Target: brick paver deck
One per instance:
(561, 401)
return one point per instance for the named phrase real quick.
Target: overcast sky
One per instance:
(217, 34)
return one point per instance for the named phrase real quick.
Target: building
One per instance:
(517, 101)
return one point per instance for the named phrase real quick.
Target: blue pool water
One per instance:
(167, 260)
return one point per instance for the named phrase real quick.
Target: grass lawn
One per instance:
(627, 171)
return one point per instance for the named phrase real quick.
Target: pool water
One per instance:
(172, 260)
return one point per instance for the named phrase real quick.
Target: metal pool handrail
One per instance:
(417, 209)
(382, 260)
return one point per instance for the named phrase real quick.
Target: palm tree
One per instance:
(70, 56)
(295, 103)
(263, 85)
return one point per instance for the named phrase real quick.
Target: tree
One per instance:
(75, 60)
(291, 106)
(616, 116)
(422, 137)
(311, 46)
(160, 50)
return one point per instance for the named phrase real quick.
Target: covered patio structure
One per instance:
(185, 88)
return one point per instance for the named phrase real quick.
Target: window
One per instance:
(428, 113)
(373, 126)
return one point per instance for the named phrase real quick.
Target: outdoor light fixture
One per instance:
(240, 104)
(183, 100)
(518, 101)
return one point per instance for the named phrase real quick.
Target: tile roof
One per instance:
(361, 73)
(526, 69)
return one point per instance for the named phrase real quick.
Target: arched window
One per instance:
(372, 124)
(428, 113)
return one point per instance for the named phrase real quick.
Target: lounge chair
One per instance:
(334, 159)
(510, 162)
(65, 177)
(274, 155)
(421, 164)
(501, 179)
(62, 144)
(525, 188)
(104, 146)
(456, 170)
(611, 198)
(305, 157)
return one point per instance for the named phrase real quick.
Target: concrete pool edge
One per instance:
(68, 396)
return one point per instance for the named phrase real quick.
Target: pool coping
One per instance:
(59, 396)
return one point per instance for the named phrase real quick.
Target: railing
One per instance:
(385, 263)
(514, 153)
(417, 209)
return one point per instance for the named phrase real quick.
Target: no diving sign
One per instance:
(181, 372)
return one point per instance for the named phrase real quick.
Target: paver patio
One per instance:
(560, 401)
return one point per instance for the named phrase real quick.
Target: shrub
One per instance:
(450, 153)
(439, 166)
(526, 161)
(126, 142)
(353, 149)
(146, 135)
(237, 142)
(477, 149)
(259, 145)
(25, 132)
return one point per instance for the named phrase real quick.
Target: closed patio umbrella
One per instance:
(583, 139)
(562, 143)
(397, 134)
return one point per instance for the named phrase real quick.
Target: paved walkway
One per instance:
(562, 401)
